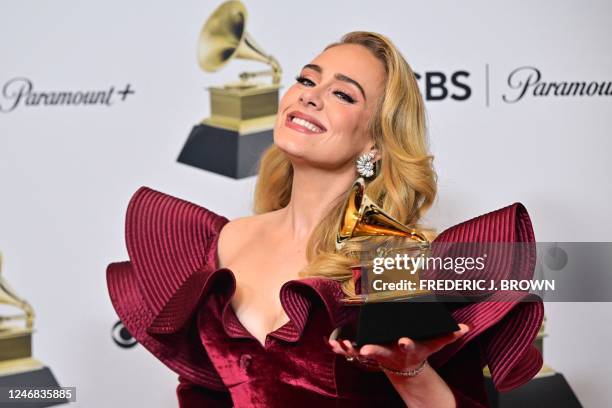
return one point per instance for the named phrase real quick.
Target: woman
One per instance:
(242, 310)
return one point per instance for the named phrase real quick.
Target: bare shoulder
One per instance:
(237, 230)
(240, 233)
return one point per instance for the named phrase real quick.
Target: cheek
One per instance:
(344, 120)
(289, 98)
(345, 141)
(348, 128)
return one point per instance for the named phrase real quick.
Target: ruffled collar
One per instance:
(172, 247)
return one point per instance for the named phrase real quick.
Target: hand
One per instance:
(403, 355)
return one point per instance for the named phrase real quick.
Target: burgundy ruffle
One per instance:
(172, 255)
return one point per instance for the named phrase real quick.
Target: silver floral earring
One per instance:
(365, 164)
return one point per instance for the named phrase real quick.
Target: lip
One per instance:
(304, 116)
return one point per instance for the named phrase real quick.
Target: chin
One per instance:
(293, 152)
(292, 144)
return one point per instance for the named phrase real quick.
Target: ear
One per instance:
(377, 154)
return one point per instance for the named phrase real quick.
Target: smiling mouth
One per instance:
(302, 125)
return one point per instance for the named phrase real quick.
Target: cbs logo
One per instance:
(438, 86)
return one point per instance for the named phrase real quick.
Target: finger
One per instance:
(375, 351)
(343, 346)
(336, 348)
(334, 334)
(464, 328)
(348, 346)
(406, 344)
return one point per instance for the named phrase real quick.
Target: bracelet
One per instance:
(408, 373)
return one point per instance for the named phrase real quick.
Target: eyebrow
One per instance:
(340, 77)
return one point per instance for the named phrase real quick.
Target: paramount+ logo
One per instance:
(20, 92)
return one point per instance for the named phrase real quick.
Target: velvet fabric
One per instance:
(175, 300)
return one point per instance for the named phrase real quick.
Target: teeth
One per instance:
(306, 124)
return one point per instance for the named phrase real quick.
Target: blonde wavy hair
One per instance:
(405, 186)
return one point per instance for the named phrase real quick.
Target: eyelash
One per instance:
(344, 97)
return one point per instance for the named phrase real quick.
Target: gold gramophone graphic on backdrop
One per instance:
(243, 112)
(17, 366)
(15, 340)
(422, 316)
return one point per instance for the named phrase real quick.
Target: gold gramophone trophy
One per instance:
(243, 112)
(17, 366)
(386, 315)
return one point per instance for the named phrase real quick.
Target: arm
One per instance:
(458, 383)
(427, 389)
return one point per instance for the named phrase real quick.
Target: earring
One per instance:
(365, 165)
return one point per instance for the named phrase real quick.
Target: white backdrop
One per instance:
(67, 172)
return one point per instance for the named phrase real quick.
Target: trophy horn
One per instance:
(363, 217)
(9, 297)
(224, 37)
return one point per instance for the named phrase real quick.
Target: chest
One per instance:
(260, 272)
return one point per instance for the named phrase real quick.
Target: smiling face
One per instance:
(323, 118)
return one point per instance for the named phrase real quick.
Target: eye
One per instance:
(303, 80)
(307, 82)
(345, 97)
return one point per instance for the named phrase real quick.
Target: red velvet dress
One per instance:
(175, 301)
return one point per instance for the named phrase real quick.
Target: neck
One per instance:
(313, 193)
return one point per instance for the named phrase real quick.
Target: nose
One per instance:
(311, 97)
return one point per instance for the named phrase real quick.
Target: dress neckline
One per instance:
(229, 312)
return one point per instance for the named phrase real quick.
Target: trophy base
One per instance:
(549, 391)
(225, 151)
(15, 343)
(385, 322)
(40, 378)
